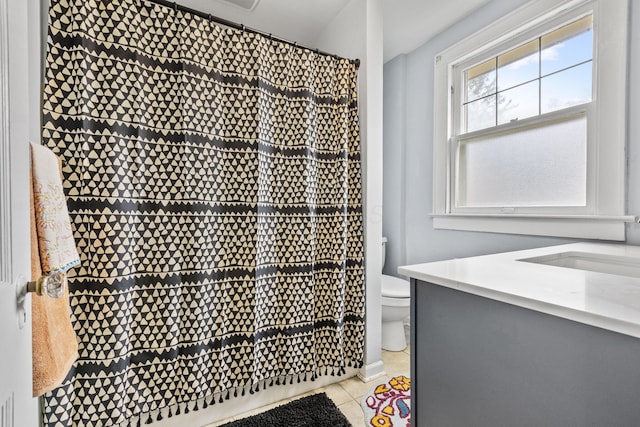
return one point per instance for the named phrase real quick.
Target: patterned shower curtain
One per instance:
(213, 182)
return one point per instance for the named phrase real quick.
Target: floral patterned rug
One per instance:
(388, 404)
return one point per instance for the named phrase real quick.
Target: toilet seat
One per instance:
(394, 287)
(395, 302)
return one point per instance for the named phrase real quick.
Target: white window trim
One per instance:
(606, 219)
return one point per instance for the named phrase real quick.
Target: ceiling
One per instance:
(301, 21)
(407, 23)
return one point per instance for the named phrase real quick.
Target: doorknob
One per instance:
(52, 285)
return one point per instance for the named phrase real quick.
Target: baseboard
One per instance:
(372, 371)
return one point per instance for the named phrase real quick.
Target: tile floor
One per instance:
(346, 394)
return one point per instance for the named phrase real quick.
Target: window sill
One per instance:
(574, 226)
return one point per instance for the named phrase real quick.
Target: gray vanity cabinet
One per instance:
(478, 362)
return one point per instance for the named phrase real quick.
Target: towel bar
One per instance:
(52, 285)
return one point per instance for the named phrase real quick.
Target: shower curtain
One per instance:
(213, 181)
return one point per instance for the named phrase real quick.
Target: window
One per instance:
(530, 123)
(549, 73)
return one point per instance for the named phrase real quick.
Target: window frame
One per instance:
(604, 216)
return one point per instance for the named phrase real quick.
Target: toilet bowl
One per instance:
(395, 308)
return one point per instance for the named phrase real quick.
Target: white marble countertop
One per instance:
(608, 301)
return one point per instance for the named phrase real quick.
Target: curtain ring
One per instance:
(209, 17)
(175, 6)
(270, 36)
(242, 27)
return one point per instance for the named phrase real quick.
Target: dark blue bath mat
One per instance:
(316, 410)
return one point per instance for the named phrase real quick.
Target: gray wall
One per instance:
(408, 134)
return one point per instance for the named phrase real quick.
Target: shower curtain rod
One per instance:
(241, 27)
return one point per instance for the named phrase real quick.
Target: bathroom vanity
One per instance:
(542, 337)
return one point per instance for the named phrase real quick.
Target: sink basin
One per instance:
(610, 264)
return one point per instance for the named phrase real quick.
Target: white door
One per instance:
(17, 407)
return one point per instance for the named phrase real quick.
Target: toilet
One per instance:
(395, 309)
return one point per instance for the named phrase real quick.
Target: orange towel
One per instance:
(55, 347)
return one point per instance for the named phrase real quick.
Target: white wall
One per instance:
(356, 32)
(408, 122)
